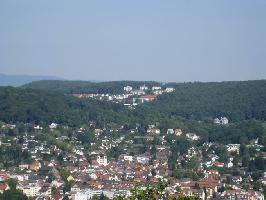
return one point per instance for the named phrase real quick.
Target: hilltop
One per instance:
(112, 87)
(239, 100)
(19, 80)
(28, 105)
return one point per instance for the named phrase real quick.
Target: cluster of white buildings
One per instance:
(128, 98)
(153, 88)
(142, 88)
(222, 120)
(242, 194)
(32, 189)
(233, 148)
(102, 160)
(191, 136)
(89, 193)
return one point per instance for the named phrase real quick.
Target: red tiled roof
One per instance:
(56, 197)
(3, 186)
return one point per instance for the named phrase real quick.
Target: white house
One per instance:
(89, 193)
(170, 131)
(138, 92)
(216, 121)
(156, 88)
(154, 131)
(143, 87)
(168, 89)
(93, 176)
(102, 160)
(242, 194)
(222, 121)
(128, 158)
(229, 164)
(192, 136)
(38, 127)
(128, 88)
(233, 147)
(178, 132)
(31, 190)
(142, 159)
(53, 125)
(23, 166)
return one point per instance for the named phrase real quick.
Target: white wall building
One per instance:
(222, 121)
(156, 88)
(87, 194)
(178, 132)
(142, 159)
(170, 131)
(128, 158)
(53, 125)
(128, 88)
(192, 136)
(168, 89)
(229, 164)
(144, 87)
(30, 190)
(102, 160)
(216, 121)
(233, 147)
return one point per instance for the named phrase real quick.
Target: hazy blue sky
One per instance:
(164, 40)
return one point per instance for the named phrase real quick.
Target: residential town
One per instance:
(110, 162)
(133, 100)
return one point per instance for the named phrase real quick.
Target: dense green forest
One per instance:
(27, 105)
(112, 87)
(241, 100)
(237, 100)
(191, 101)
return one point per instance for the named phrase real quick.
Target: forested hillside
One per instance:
(27, 105)
(113, 87)
(203, 101)
(200, 101)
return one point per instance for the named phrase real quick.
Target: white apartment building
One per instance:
(102, 160)
(87, 194)
(30, 190)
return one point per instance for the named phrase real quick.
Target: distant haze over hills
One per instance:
(18, 80)
(40, 81)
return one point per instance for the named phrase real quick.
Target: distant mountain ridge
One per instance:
(19, 80)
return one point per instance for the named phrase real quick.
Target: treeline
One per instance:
(237, 101)
(240, 132)
(33, 106)
(70, 87)
(13, 155)
(241, 100)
